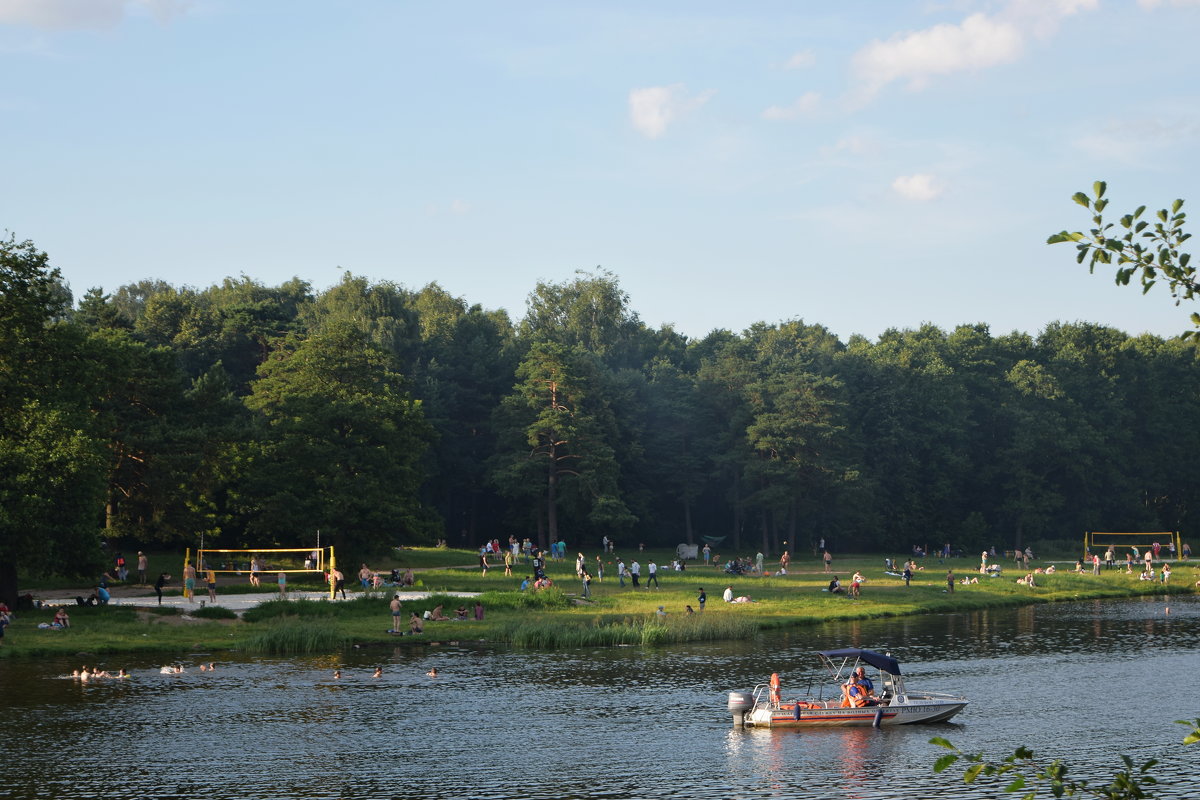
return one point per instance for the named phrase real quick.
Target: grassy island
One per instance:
(559, 616)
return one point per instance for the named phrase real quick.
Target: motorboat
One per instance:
(843, 701)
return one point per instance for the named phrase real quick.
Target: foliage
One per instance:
(296, 636)
(214, 612)
(1026, 773)
(1138, 246)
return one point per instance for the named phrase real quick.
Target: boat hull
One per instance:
(873, 716)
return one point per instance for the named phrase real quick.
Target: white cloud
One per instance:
(806, 104)
(90, 14)
(855, 145)
(800, 60)
(980, 41)
(652, 109)
(920, 186)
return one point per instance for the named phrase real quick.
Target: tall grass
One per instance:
(608, 632)
(297, 636)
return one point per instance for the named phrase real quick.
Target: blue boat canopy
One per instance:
(877, 660)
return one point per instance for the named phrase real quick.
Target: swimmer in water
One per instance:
(121, 673)
(203, 667)
(378, 672)
(84, 674)
(75, 674)
(212, 667)
(337, 673)
(432, 672)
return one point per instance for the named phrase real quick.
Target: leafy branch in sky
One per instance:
(1026, 773)
(1137, 245)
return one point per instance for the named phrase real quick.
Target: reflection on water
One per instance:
(1080, 681)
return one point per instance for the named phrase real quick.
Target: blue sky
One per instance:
(864, 165)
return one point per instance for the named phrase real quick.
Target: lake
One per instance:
(1080, 681)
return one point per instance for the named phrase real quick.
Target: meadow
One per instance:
(559, 617)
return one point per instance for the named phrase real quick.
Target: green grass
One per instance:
(560, 618)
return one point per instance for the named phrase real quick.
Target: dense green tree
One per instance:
(339, 448)
(51, 463)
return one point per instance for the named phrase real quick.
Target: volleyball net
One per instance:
(1139, 539)
(255, 562)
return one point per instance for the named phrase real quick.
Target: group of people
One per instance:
(856, 582)
(416, 622)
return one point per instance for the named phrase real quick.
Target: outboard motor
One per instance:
(739, 703)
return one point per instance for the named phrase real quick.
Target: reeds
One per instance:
(296, 636)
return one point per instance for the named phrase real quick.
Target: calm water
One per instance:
(1080, 681)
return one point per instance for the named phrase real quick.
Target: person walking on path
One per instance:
(652, 569)
(635, 571)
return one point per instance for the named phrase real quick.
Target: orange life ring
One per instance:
(775, 687)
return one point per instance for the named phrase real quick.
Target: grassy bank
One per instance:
(560, 618)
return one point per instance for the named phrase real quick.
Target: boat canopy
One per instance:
(877, 660)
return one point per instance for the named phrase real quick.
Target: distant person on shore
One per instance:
(727, 595)
(61, 619)
(479, 611)
(950, 581)
(210, 578)
(415, 624)
(281, 578)
(395, 606)
(189, 582)
(828, 557)
(159, 584)
(338, 579)
(142, 565)
(701, 598)
(835, 586)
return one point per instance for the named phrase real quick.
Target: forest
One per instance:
(382, 415)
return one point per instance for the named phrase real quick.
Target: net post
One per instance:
(332, 567)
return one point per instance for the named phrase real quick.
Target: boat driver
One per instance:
(860, 675)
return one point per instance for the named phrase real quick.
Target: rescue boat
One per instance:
(883, 700)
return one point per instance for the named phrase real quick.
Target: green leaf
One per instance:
(1178, 204)
(972, 773)
(1098, 188)
(1065, 236)
(940, 742)
(944, 762)
(1016, 785)
(1082, 199)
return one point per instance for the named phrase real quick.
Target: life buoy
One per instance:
(775, 687)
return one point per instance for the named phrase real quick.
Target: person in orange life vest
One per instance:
(854, 694)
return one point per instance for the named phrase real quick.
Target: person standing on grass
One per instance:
(621, 572)
(143, 565)
(396, 613)
(339, 582)
(907, 574)
(282, 579)
(950, 581)
(702, 598)
(635, 570)
(652, 568)
(828, 561)
(784, 560)
(707, 554)
(599, 569)
(587, 584)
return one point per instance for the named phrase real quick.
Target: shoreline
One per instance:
(133, 623)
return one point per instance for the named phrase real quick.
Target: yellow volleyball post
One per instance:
(332, 567)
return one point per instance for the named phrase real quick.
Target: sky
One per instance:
(862, 165)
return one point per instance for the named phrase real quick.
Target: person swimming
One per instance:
(337, 673)
(203, 667)
(433, 673)
(378, 672)
(121, 673)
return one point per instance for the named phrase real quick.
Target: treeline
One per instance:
(382, 415)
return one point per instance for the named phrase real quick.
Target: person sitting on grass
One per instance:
(438, 615)
(460, 613)
(61, 619)
(415, 624)
(835, 586)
